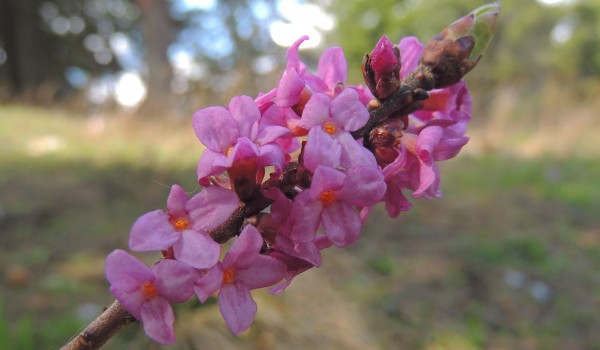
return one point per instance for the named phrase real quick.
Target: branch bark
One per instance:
(101, 329)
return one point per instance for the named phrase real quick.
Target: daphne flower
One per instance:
(234, 137)
(242, 270)
(184, 226)
(297, 85)
(147, 292)
(330, 122)
(331, 199)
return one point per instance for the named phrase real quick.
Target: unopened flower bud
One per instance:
(381, 69)
(384, 140)
(452, 53)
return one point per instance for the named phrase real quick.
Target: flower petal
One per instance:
(353, 153)
(197, 249)
(305, 217)
(316, 111)
(325, 179)
(215, 128)
(152, 231)
(290, 88)
(237, 306)
(209, 165)
(341, 223)
(271, 154)
(271, 134)
(208, 284)
(211, 207)
(332, 66)
(177, 200)
(265, 271)
(174, 280)
(158, 320)
(363, 186)
(395, 200)
(245, 112)
(126, 272)
(410, 52)
(131, 301)
(321, 149)
(427, 141)
(347, 110)
(244, 249)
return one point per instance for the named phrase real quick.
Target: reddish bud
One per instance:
(385, 58)
(384, 140)
(381, 69)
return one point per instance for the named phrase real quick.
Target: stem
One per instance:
(258, 203)
(407, 99)
(100, 330)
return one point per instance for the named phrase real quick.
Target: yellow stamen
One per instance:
(329, 128)
(327, 197)
(180, 224)
(228, 275)
(149, 290)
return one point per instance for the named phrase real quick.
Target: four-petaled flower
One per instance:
(242, 270)
(147, 292)
(183, 227)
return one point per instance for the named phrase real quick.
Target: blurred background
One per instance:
(96, 99)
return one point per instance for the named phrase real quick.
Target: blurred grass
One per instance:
(507, 259)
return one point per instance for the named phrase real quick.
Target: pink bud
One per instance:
(381, 69)
(385, 58)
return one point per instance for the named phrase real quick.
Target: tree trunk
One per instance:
(157, 32)
(26, 46)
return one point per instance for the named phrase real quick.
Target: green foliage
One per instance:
(524, 47)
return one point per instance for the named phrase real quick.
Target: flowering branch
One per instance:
(362, 146)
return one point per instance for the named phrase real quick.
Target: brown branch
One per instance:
(407, 99)
(101, 329)
(258, 203)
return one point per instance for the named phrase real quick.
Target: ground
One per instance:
(508, 258)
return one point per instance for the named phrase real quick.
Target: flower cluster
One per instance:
(292, 172)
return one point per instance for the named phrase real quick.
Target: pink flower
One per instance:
(453, 104)
(242, 270)
(147, 292)
(415, 167)
(234, 137)
(297, 85)
(330, 123)
(279, 224)
(331, 199)
(183, 227)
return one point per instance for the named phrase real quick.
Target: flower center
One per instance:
(180, 224)
(329, 128)
(149, 290)
(228, 275)
(327, 197)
